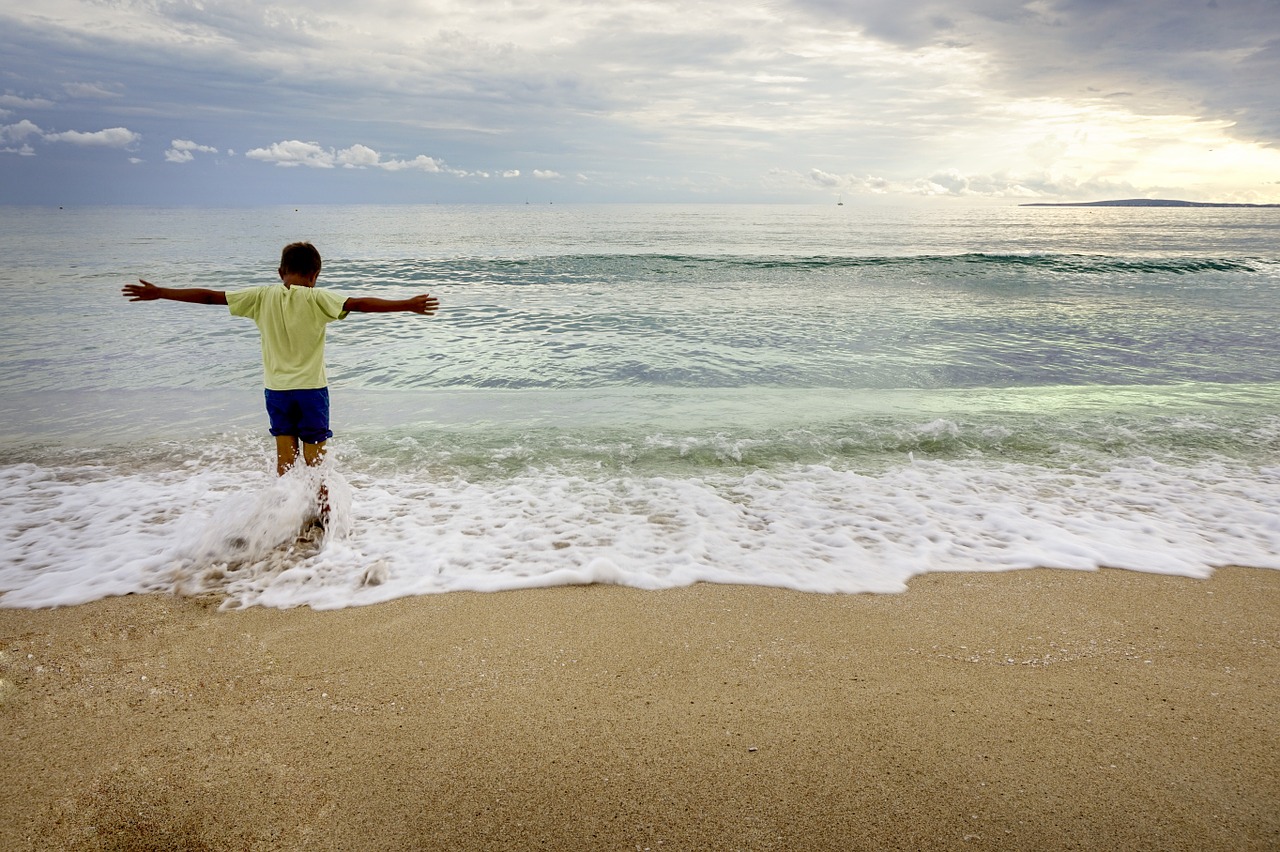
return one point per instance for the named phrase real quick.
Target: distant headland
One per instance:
(1142, 202)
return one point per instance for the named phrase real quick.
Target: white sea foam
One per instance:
(77, 532)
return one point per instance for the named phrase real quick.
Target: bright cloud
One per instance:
(26, 130)
(112, 137)
(357, 156)
(296, 153)
(419, 163)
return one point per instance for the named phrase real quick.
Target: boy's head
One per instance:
(300, 259)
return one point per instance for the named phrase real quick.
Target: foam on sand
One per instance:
(78, 531)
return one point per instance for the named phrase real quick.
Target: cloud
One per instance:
(669, 99)
(420, 163)
(1157, 57)
(9, 99)
(20, 131)
(357, 156)
(184, 151)
(100, 91)
(954, 183)
(112, 137)
(850, 183)
(295, 153)
(823, 179)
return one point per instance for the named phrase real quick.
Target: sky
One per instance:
(245, 102)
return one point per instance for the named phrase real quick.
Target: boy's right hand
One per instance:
(144, 291)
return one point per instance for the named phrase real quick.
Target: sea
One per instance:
(828, 398)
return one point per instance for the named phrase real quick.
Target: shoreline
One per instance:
(1022, 710)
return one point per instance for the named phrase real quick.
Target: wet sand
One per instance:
(1029, 710)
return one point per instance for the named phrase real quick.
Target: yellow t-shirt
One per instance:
(291, 322)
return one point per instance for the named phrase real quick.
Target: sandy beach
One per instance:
(1028, 710)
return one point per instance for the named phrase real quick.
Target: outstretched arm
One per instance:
(424, 304)
(145, 291)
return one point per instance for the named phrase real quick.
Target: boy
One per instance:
(291, 322)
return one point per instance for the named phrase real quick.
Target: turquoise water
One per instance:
(826, 398)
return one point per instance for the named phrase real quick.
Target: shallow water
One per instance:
(830, 399)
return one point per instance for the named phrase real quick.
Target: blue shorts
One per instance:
(300, 413)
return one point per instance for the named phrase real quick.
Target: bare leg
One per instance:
(313, 455)
(286, 453)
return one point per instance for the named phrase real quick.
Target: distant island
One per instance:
(1142, 202)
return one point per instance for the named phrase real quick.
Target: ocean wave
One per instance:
(587, 268)
(865, 445)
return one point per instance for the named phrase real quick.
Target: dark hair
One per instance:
(300, 258)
